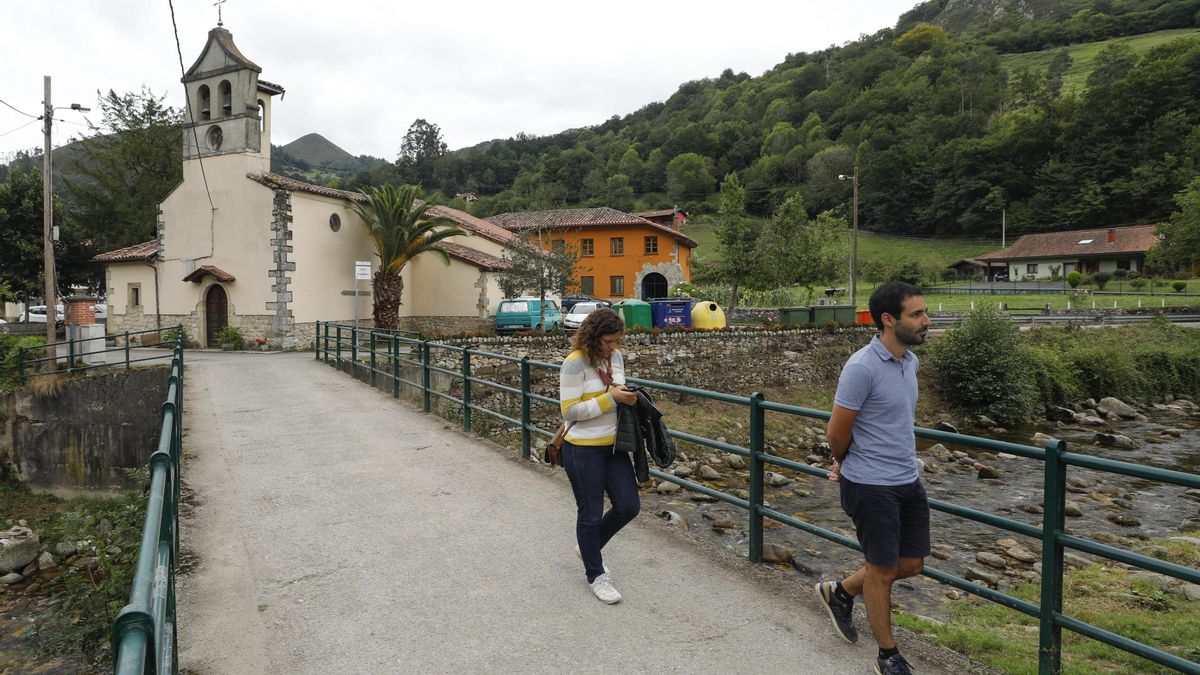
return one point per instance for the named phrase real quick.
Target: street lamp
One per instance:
(853, 178)
(48, 212)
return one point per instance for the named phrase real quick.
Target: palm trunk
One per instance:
(387, 289)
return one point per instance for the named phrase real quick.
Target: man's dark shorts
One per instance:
(892, 521)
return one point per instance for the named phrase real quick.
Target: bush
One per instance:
(1179, 286)
(9, 346)
(1120, 274)
(172, 334)
(1137, 284)
(230, 335)
(1073, 279)
(984, 367)
(1085, 280)
(1101, 278)
(1053, 377)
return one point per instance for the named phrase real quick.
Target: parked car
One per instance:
(569, 301)
(517, 314)
(37, 313)
(579, 311)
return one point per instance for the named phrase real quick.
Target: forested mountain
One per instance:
(944, 137)
(316, 159)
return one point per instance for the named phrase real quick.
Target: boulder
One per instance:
(666, 487)
(735, 462)
(991, 560)
(1120, 441)
(1040, 440)
(19, 546)
(774, 553)
(709, 473)
(946, 426)
(46, 562)
(990, 578)
(1021, 554)
(673, 519)
(1124, 520)
(1060, 414)
(986, 471)
(1072, 509)
(683, 471)
(777, 479)
(1111, 405)
(10, 578)
(983, 421)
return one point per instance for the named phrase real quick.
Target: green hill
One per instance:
(1083, 56)
(315, 159)
(315, 149)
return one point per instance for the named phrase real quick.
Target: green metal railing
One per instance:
(360, 350)
(143, 634)
(82, 348)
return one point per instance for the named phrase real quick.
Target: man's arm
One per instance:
(839, 432)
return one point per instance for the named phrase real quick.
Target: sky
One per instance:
(360, 71)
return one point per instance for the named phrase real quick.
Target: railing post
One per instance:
(395, 366)
(354, 351)
(427, 403)
(757, 433)
(338, 346)
(325, 344)
(373, 364)
(21, 365)
(1054, 497)
(70, 354)
(127, 366)
(466, 388)
(317, 342)
(525, 436)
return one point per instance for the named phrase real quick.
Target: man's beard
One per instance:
(911, 338)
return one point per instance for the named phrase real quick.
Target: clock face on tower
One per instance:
(215, 137)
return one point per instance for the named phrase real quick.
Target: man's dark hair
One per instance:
(889, 299)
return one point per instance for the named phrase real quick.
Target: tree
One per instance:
(1059, 66)
(794, 250)
(119, 175)
(421, 148)
(400, 230)
(736, 235)
(21, 232)
(531, 267)
(688, 176)
(1180, 245)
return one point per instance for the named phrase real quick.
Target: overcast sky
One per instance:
(360, 71)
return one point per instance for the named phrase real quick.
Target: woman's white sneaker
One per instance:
(603, 588)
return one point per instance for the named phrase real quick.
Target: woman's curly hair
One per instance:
(599, 323)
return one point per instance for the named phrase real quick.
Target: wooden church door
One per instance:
(216, 313)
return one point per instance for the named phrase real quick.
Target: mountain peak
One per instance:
(315, 149)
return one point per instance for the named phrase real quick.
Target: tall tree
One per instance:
(533, 268)
(119, 174)
(21, 229)
(400, 230)
(794, 250)
(1180, 246)
(736, 235)
(422, 147)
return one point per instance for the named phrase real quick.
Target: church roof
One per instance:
(270, 87)
(219, 274)
(143, 251)
(484, 261)
(475, 225)
(234, 57)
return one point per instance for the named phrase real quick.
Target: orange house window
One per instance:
(587, 285)
(587, 248)
(651, 245)
(617, 286)
(617, 246)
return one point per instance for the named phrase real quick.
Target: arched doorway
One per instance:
(654, 285)
(216, 313)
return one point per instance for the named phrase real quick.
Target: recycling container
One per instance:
(823, 314)
(863, 317)
(672, 313)
(708, 315)
(635, 313)
(795, 316)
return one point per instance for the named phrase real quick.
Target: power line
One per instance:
(187, 104)
(19, 111)
(20, 127)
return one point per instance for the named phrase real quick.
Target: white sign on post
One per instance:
(362, 269)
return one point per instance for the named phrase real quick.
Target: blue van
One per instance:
(518, 314)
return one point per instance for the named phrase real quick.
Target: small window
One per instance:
(1123, 264)
(617, 246)
(205, 102)
(135, 295)
(1031, 268)
(1086, 241)
(587, 248)
(558, 246)
(587, 284)
(617, 286)
(521, 307)
(262, 115)
(226, 98)
(335, 222)
(651, 245)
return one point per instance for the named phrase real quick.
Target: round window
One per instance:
(215, 137)
(335, 222)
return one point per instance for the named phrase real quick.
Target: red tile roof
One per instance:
(661, 213)
(143, 251)
(1129, 240)
(270, 87)
(473, 224)
(219, 274)
(484, 261)
(274, 180)
(576, 218)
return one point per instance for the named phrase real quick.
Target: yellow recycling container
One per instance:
(708, 314)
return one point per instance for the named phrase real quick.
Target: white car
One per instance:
(37, 313)
(580, 312)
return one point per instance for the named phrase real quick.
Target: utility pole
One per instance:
(51, 298)
(1003, 228)
(853, 240)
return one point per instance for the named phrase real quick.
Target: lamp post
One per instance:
(853, 178)
(48, 235)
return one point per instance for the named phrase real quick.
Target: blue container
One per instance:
(674, 313)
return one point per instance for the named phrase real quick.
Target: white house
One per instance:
(1048, 254)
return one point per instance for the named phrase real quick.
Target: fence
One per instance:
(143, 634)
(77, 350)
(341, 345)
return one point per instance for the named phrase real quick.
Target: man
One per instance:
(871, 434)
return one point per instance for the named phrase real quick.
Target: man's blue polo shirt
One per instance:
(883, 450)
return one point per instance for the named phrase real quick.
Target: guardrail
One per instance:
(143, 634)
(1103, 320)
(340, 344)
(79, 349)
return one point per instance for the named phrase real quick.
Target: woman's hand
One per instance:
(624, 396)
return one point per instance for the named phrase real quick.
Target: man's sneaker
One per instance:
(840, 613)
(603, 588)
(579, 554)
(893, 665)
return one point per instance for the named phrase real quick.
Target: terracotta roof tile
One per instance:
(484, 261)
(143, 251)
(1129, 240)
(576, 218)
(274, 180)
(219, 274)
(474, 224)
(271, 87)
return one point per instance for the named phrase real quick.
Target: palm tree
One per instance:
(400, 231)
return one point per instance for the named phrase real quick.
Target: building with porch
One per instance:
(620, 255)
(1047, 254)
(238, 245)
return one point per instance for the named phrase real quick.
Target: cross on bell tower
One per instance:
(218, 4)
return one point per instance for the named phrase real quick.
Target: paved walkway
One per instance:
(336, 530)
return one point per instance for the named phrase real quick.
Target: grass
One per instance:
(1108, 597)
(1083, 55)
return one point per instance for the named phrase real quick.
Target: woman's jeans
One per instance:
(595, 471)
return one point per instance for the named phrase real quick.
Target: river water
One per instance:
(1147, 509)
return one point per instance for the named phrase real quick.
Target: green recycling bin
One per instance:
(823, 314)
(795, 316)
(635, 313)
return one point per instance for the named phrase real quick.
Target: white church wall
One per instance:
(325, 259)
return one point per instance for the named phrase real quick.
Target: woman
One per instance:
(590, 386)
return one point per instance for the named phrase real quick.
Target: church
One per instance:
(240, 246)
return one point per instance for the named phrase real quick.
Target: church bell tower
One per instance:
(229, 107)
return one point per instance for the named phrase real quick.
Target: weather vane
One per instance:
(218, 4)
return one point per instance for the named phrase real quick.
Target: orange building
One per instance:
(620, 255)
